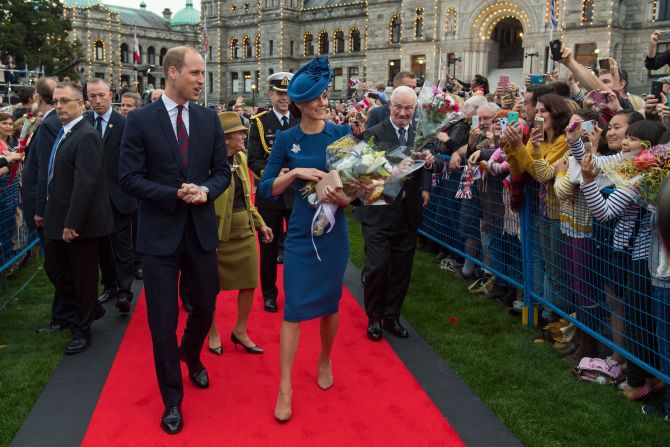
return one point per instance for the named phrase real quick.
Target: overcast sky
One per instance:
(156, 6)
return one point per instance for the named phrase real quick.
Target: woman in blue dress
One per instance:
(312, 288)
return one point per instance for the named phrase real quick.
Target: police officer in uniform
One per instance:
(264, 128)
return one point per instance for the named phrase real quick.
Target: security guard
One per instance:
(264, 127)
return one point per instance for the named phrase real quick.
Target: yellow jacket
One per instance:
(223, 205)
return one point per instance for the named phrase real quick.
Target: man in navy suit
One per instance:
(174, 160)
(116, 253)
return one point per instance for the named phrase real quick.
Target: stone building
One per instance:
(371, 40)
(107, 33)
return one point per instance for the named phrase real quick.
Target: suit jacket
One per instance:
(224, 204)
(151, 169)
(258, 156)
(385, 216)
(77, 193)
(377, 115)
(123, 203)
(34, 191)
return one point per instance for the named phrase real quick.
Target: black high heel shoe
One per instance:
(250, 349)
(216, 351)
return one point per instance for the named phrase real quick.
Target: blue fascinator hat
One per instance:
(311, 80)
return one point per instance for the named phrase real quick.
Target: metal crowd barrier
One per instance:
(586, 280)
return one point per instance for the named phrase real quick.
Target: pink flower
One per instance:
(645, 160)
(442, 109)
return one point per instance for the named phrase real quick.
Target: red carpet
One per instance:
(374, 401)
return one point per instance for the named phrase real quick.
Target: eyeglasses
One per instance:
(64, 101)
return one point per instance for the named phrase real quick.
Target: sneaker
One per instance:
(655, 411)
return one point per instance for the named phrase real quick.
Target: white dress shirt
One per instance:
(279, 115)
(105, 120)
(171, 108)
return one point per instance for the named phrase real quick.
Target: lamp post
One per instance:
(531, 56)
(253, 95)
(597, 54)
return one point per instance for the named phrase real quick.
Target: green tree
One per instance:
(34, 32)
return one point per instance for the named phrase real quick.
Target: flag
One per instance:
(552, 7)
(354, 82)
(136, 48)
(205, 38)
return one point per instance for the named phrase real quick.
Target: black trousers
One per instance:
(117, 257)
(161, 276)
(388, 268)
(73, 269)
(62, 311)
(274, 219)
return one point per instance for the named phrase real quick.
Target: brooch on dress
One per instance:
(296, 148)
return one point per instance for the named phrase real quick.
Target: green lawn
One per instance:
(27, 359)
(527, 385)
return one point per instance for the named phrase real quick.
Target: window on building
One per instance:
(271, 47)
(394, 69)
(234, 48)
(234, 83)
(395, 29)
(246, 47)
(124, 53)
(663, 10)
(450, 21)
(164, 52)
(338, 41)
(338, 79)
(247, 82)
(210, 82)
(324, 47)
(246, 6)
(419, 65)
(209, 53)
(585, 54)
(309, 44)
(354, 40)
(270, 72)
(99, 75)
(418, 24)
(151, 56)
(291, 50)
(99, 50)
(587, 11)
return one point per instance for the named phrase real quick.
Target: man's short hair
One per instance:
(43, 88)
(73, 88)
(402, 89)
(539, 90)
(98, 81)
(402, 75)
(134, 96)
(561, 88)
(26, 94)
(175, 58)
(623, 76)
(490, 106)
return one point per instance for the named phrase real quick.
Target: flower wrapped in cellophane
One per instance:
(29, 126)
(645, 173)
(361, 169)
(435, 111)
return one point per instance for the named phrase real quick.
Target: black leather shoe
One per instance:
(78, 345)
(139, 274)
(123, 304)
(280, 258)
(172, 421)
(270, 304)
(53, 327)
(394, 327)
(197, 373)
(375, 331)
(107, 295)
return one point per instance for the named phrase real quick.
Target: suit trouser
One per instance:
(268, 252)
(388, 267)
(73, 268)
(161, 274)
(62, 311)
(117, 256)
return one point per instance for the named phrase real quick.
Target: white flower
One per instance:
(368, 159)
(295, 149)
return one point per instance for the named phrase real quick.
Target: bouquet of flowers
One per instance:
(645, 173)
(435, 110)
(364, 170)
(29, 126)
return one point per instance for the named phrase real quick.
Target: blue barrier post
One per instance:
(527, 257)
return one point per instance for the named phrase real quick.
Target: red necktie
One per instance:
(182, 137)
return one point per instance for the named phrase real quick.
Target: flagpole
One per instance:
(205, 44)
(552, 21)
(136, 48)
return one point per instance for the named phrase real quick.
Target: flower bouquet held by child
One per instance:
(435, 111)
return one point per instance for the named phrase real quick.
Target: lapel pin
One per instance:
(296, 148)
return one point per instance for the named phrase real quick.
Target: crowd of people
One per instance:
(549, 145)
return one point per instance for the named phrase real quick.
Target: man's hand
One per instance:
(474, 135)
(192, 194)
(455, 162)
(428, 158)
(442, 136)
(425, 196)
(612, 101)
(653, 43)
(474, 158)
(69, 235)
(39, 221)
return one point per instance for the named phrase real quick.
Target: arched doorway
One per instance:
(508, 35)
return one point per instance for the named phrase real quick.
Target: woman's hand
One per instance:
(612, 101)
(573, 131)
(536, 136)
(589, 170)
(336, 196)
(650, 106)
(12, 156)
(514, 137)
(442, 136)
(309, 174)
(474, 158)
(266, 234)
(561, 166)
(594, 137)
(474, 135)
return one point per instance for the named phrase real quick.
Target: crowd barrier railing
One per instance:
(561, 257)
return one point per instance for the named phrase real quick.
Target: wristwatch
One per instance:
(205, 189)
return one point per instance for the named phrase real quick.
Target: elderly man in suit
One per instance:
(34, 191)
(77, 212)
(174, 160)
(382, 113)
(116, 253)
(390, 231)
